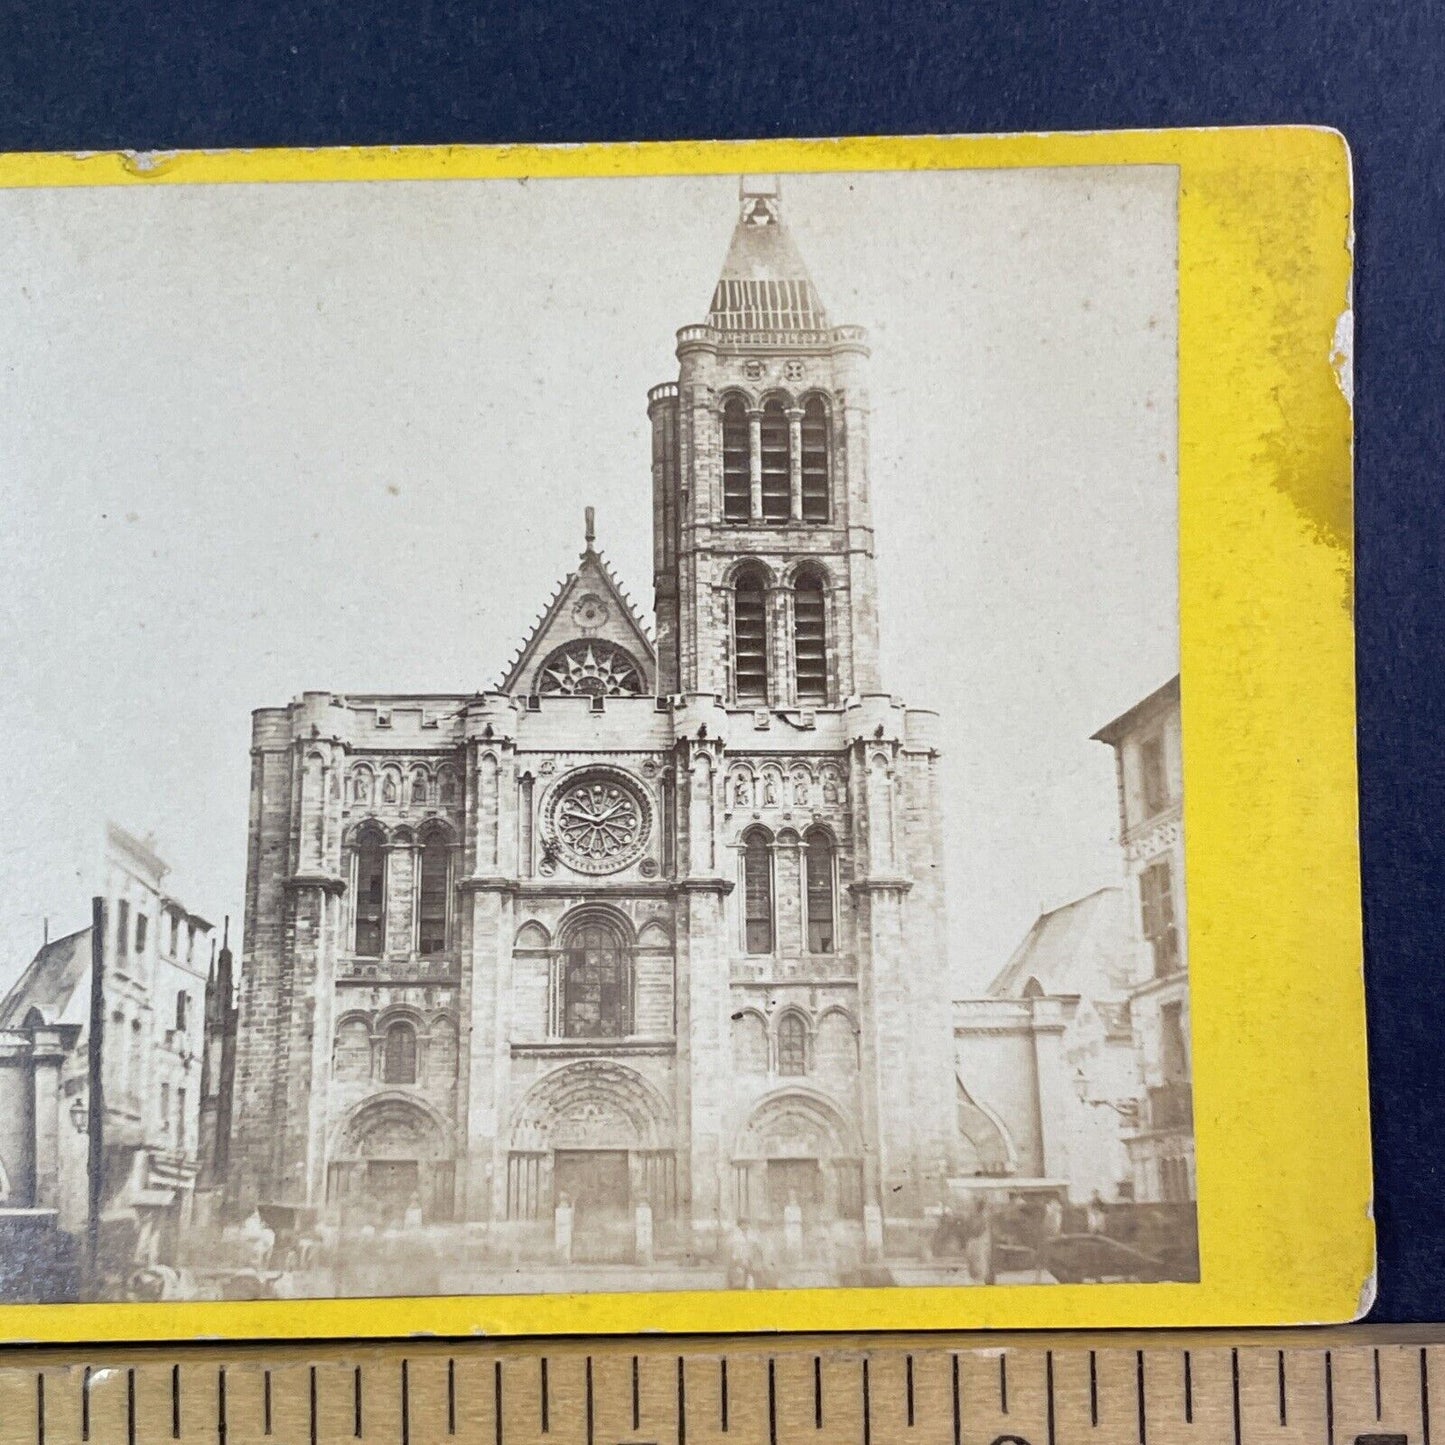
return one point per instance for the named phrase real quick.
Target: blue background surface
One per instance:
(75, 74)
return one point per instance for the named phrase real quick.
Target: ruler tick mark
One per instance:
(722, 1389)
(908, 1386)
(265, 1404)
(130, 1407)
(1049, 1392)
(311, 1396)
(1234, 1387)
(1003, 1383)
(221, 1405)
(1379, 1405)
(546, 1421)
(175, 1402)
(817, 1392)
(85, 1404)
(1283, 1399)
(451, 1397)
(497, 1400)
(1139, 1389)
(681, 1401)
(772, 1403)
(357, 1424)
(40, 1407)
(405, 1403)
(867, 1407)
(1329, 1398)
(636, 1396)
(957, 1406)
(1093, 1388)
(590, 1416)
(1188, 1390)
(1424, 1395)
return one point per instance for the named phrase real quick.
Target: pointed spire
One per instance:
(590, 523)
(764, 284)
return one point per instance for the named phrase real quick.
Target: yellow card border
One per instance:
(1267, 642)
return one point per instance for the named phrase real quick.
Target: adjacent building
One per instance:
(1045, 1059)
(155, 955)
(649, 936)
(1149, 762)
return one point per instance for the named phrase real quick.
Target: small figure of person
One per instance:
(259, 1240)
(411, 1219)
(1096, 1220)
(978, 1248)
(1053, 1218)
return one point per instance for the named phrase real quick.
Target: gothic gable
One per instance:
(589, 640)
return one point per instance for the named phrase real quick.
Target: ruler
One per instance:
(1355, 1386)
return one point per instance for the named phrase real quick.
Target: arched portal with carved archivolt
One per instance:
(597, 1138)
(798, 1147)
(392, 1162)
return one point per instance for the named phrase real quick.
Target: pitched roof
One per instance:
(1081, 948)
(1162, 698)
(589, 603)
(764, 284)
(50, 980)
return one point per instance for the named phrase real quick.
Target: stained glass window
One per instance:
(594, 984)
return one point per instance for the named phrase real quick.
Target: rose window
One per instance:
(598, 823)
(589, 668)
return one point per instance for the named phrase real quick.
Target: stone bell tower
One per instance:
(760, 465)
(810, 879)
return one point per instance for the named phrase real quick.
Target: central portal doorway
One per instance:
(393, 1185)
(795, 1180)
(597, 1184)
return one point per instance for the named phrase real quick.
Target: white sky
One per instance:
(255, 440)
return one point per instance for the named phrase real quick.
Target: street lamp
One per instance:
(79, 1115)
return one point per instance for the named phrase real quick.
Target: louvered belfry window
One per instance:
(758, 893)
(737, 483)
(750, 638)
(810, 643)
(777, 484)
(815, 461)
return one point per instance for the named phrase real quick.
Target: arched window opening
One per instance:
(596, 1001)
(758, 893)
(370, 895)
(737, 481)
(816, 487)
(432, 892)
(810, 643)
(777, 483)
(750, 638)
(792, 1046)
(399, 1055)
(820, 892)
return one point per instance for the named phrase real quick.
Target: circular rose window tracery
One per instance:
(598, 822)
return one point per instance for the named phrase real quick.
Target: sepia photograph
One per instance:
(608, 734)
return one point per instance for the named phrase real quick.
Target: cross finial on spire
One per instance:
(761, 197)
(591, 527)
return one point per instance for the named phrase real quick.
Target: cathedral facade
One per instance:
(649, 937)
